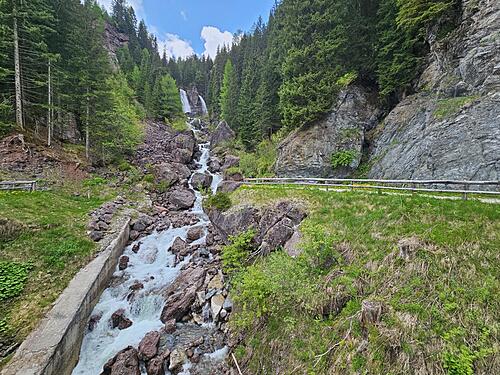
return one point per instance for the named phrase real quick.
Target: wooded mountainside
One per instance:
(282, 74)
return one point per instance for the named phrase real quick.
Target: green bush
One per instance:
(13, 276)
(149, 178)
(179, 124)
(220, 201)
(343, 158)
(124, 166)
(235, 256)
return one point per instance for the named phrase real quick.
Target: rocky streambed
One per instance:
(166, 308)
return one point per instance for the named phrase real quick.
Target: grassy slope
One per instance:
(440, 306)
(48, 238)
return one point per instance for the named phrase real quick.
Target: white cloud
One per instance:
(184, 15)
(214, 38)
(175, 46)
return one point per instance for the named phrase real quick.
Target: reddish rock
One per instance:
(170, 326)
(126, 362)
(195, 234)
(181, 294)
(94, 319)
(123, 264)
(137, 286)
(119, 320)
(148, 347)
(179, 246)
(158, 364)
(136, 247)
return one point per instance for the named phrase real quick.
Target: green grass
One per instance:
(440, 305)
(448, 107)
(45, 248)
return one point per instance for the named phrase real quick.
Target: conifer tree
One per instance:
(229, 95)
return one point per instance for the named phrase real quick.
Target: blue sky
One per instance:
(184, 27)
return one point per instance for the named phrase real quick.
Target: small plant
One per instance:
(162, 187)
(95, 181)
(343, 158)
(179, 124)
(220, 201)
(448, 107)
(347, 79)
(235, 256)
(13, 276)
(149, 178)
(124, 166)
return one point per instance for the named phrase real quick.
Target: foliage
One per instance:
(179, 124)
(292, 311)
(343, 158)
(219, 201)
(235, 255)
(229, 95)
(13, 276)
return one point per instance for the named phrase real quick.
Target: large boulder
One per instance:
(126, 362)
(148, 347)
(308, 151)
(171, 173)
(181, 294)
(182, 199)
(201, 181)
(223, 133)
(228, 186)
(234, 222)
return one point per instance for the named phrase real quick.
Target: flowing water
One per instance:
(186, 107)
(152, 266)
(203, 105)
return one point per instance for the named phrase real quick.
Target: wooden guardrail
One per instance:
(436, 186)
(18, 185)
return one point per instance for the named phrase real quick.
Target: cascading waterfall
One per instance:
(154, 267)
(186, 107)
(203, 105)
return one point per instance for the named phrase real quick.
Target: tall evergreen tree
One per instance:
(229, 95)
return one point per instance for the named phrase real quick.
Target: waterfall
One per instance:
(203, 105)
(186, 107)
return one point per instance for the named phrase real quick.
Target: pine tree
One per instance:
(229, 95)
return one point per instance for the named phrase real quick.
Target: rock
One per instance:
(123, 263)
(292, 245)
(170, 326)
(228, 304)
(277, 236)
(371, 312)
(181, 294)
(156, 366)
(107, 218)
(126, 362)
(214, 165)
(307, 152)
(114, 40)
(408, 246)
(96, 236)
(177, 358)
(134, 235)
(223, 133)
(233, 176)
(195, 234)
(136, 247)
(182, 199)
(148, 347)
(216, 304)
(216, 282)
(230, 161)
(201, 181)
(118, 320)
(234, 222)
(94, 319)
(179, 246)
(171, 173)
(228, 186)
(142, 223)
(137, 286)
(223, 314)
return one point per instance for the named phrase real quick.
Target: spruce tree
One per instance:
(229, 95)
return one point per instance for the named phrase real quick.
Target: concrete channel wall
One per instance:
(53, 348)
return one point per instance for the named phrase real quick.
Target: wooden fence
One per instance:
(18, 185)
(437, 186)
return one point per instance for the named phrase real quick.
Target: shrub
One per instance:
(124, 166)
(220, 201)
(94, 181)
(179, 124)
(235, 256)
(343, 158)
(149, 178)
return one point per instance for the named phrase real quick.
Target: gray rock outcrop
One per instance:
(451, 128)
(307, 152)
(223, 133)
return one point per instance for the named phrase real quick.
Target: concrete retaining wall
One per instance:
(53, 348)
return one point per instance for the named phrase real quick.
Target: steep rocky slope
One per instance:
(450, 127)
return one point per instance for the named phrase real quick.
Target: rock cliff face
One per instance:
(450, 127)
(113, 41)
(308, 152)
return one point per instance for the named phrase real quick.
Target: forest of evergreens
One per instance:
(282, 74)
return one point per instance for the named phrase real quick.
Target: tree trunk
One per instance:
(49, 113)
(87, 135)
(17, 69)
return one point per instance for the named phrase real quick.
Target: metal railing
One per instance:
(437, 186)
(18, 185)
